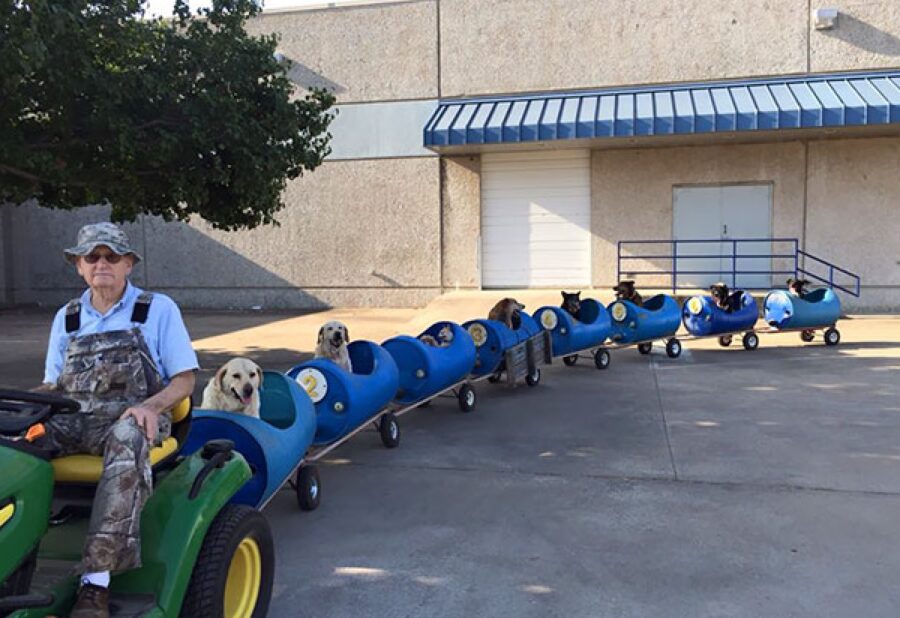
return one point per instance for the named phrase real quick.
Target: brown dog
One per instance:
(507, 311)
(719, 292)
(625, 291)
(332, 344)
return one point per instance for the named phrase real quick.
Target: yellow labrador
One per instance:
(234, 388)
(332, 344)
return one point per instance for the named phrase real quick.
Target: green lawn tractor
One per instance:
(202, 557)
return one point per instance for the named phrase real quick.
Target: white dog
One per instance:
(234, 388)
(332, 344)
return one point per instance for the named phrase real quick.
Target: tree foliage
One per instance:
(171, 117)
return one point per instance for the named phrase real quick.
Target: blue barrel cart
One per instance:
(658, 318)
(501, 351)
(347, 402)
(702, 317)
(819, 309)
(274, 444)
(574, 336)
(429, 371)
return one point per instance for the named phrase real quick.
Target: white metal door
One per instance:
(536, 219)
(722, 214)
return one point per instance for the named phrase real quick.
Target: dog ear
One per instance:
(578, 295)
(346, 334)
(563, 294)
(321, 335)
(220, 376)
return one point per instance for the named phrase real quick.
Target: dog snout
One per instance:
(247, 390)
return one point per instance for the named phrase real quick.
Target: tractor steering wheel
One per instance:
(19, 410)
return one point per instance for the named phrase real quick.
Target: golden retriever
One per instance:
(234, 388)
(332, 344)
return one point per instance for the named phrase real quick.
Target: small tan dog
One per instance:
(234, 388)
(444, 338)
(332, 344)
(507, 311)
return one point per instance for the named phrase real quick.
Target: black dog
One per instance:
(625, 291)
(724, 298)
(571, 303)
(797, 287)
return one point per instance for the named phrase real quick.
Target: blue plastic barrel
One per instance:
(658, 318)
(426, 369)
(273, 444)
(344, 400)
(569, 334)
(702, 316)
(818, 308)
(492, 339)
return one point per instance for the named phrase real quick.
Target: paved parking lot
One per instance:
(723, 483)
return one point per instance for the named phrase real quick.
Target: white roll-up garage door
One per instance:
(536, 219)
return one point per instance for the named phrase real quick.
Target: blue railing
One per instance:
(727, 261)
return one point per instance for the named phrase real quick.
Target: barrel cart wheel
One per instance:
(644, 348)
(725, 341)
(533, 378)
(467, 398)
(309, 488)
(807, 336)
(751, 341)
(832, 336)
(494, 378)
(389, 428)
(673, 348)
(570, 360)
(601, 359)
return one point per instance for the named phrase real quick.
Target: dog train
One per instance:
(284, 423)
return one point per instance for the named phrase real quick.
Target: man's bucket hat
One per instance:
(107, 234)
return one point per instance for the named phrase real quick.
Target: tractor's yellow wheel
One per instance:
(233, 575)
(244, 578)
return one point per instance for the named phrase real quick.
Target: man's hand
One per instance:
(146, 419)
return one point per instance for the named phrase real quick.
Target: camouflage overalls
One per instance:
(108, 373)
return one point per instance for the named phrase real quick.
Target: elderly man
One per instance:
(126, 356)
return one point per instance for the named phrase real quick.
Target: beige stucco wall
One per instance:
(461, 195)
(631, 193)
(354, 233)
(853, 215)
(362, 53)
(496, 46)
(867, 36)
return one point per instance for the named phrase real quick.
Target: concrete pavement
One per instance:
(723, 483)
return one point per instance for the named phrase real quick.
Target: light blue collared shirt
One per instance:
(164, 332)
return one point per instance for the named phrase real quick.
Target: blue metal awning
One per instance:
(837, 100)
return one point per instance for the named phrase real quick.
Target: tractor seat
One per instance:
(88, 468)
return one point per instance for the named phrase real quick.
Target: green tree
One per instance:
(170, 117)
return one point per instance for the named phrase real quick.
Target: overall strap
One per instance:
(73, 315)
(141, 307)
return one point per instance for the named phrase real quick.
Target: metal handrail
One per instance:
(734, 255)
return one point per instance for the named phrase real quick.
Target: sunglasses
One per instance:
(111, 258)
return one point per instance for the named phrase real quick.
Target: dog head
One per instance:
(624, 290)
(445, 334)
(239, 378)
(719, 291)
(571, 302)
(333, 335)
(797, 286)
